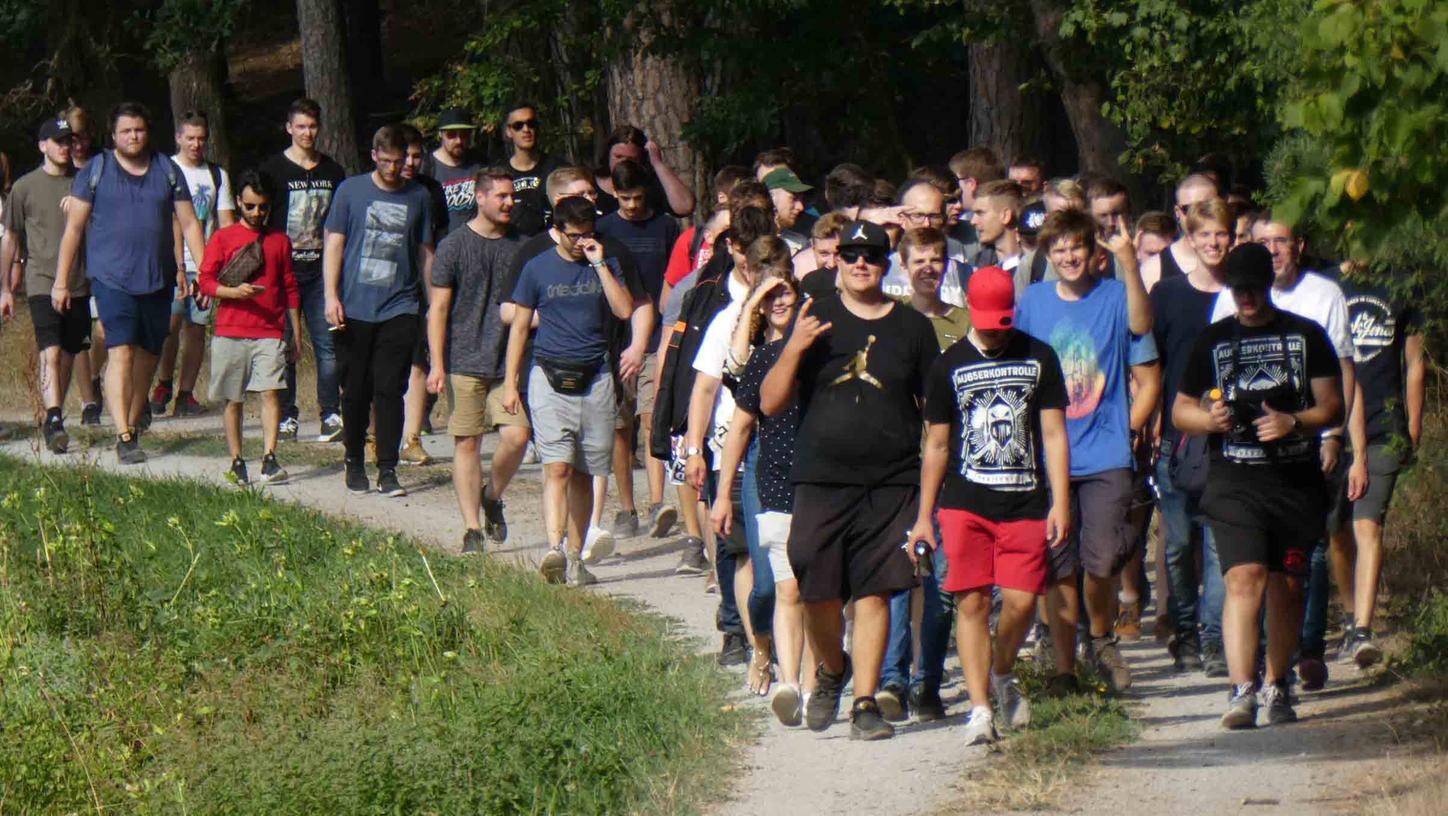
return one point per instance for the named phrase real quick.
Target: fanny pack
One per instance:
(571, 377)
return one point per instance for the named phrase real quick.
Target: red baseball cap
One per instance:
(991, 295)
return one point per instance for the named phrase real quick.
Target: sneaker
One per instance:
(578, 576)
(288, 429)
(662, 517)
(893, 703)
(693, 561)
(57, 441)
(980, 727)
(1011, 702)
(734, 651)
(786, 704)
(1343, 645)
(1241, 708)
(1110, 664)
(388, 485)
(331, 428)
(1278, 700)
(146, 418)
(867, 722)
(597, 545)
(1062, 685)
(271, 470)
(356, 476)
(625, 525)
(1186, 653)
(926, 704)
(495, 526)
(90, 413)
(160, 396)
(473, 542)
(711, 586)
(186, 406)
(1128, 621)
(824, 703)
(238, 472)
(1363, 649)
(553, 566)
(100, 393)
(1214, 660)
(413, 453)
(128, 450)
(1313, 673)
(1161, 629)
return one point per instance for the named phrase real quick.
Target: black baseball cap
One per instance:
(454, 119)
(54, 129)
(1032, 217)
(865, 234)
(1249, 268)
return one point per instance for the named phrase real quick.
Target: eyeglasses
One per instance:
(924, 218)
(381, 162)
(874, 257)
(530, 124)
(578, 236)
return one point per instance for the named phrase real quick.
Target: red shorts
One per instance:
(983, 553)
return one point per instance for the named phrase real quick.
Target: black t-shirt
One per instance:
(993, 406)
(1275, 364)
(1380, 325)
(776, 433)
(818, 283)
(300, 201)
(439, 205)
(1180, 312)
(860, 389)
(650, 241)
(531, 210)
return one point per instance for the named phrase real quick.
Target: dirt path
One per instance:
(1183, 765)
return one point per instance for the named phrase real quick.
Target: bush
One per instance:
(170, 647)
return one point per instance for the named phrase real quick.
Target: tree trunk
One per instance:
(197, 83)
(1099, 142)
(327, 80)
(364, 47)
(656, 94)
(1001, 116)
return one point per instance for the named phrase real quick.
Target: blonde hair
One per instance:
(565, 175)
(1212, 211)
(768, 257)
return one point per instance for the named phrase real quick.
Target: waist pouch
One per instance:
(571, 377)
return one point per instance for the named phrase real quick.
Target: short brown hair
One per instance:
(828, 226)
(565, 175)
(750, 192)
(768, 252)
(1156, 222)
(1070, 223)
(940, 177)
(920, 238)
(484, 176)
(979, 163)
(1007, 193)
(1211, 211)
(1106, 187)
(389, 139)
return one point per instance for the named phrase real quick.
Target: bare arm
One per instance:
(191, 230)
(517, 342)
(779, 385)
(1138, 303)
(1416, 385)
(701, 409)
(935, 456)
(439, 304)
(334, 245)
(741, 430)
(76, 218)
(1148, 393)
(641, 325)
(681, 199)
(7, 261)
(1058, 473)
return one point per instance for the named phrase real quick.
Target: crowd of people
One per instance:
(873, 410)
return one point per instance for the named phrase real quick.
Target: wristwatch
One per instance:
(693, 451)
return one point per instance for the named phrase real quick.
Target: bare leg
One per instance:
(1369, 567)
(788, 629)
(467, 472)
(743, 583)
(654, 468)
(555, 500)
(414, 406)
(972, 641)
(1100, 600)
(193, 348)
(689, 510)
(231, 418)
(1284, 623)
(623, 466)
(872, 629)
(507, 457)
(1017, 607)
(1061, 615)
(119, 384)
(49, 363)
(1241, 620)
(143, 368)
(824, 626)
(1344, 555)
(83, 375)
(271, 414)
(598, 496)
(167, 366)
(580, 508)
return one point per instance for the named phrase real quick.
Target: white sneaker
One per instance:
(597, 545)
(1011, 702)
(553, 566)
(786, 704)
(980, 728)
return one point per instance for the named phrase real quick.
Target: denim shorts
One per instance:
(187, 308)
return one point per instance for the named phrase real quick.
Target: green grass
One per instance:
(167, 647)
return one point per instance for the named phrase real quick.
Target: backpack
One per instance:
(676, 382)
(95, 176)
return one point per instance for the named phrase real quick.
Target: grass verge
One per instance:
(168, 647)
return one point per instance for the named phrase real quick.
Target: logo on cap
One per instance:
(859, 233)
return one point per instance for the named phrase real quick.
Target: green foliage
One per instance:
(179, 27)
(169, 647)
(1428, 643)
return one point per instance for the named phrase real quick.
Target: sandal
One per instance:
(761, 673)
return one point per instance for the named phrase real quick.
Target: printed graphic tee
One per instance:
(206, 200)
(458, 190)
(385, 229)
(300, 202)
(1381, 325)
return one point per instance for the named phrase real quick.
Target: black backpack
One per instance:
(676, 382)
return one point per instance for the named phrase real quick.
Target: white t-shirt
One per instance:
(206, 201)
(896, 282)
(710, 358)
(1314, 297)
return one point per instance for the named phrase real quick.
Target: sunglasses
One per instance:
(874, 257)
(530, 124)
(254, 207)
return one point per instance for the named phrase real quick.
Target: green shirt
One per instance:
(949, 327)
(34, 217)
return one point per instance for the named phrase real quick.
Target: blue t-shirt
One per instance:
(128, 241)
(1092, 337)
(650, 241)
(384, 230)
(572, 310)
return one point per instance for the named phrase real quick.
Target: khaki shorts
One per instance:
(477, 406)
(637, 398)
(239, 365)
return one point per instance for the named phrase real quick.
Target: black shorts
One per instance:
(71, 330)
(847, 541)
(420, 350)
(1274, 518)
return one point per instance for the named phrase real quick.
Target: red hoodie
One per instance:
(263, 316)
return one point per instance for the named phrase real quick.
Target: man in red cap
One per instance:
(997, 463)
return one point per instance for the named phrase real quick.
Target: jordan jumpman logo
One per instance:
(856, 368)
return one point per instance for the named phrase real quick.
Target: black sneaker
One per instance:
(331, 428)
(734, 651)
(1363, 650)
(693, 561)
(926, 704)
(1278, 699)
(1214, 660)
(1241, 708)
(271, 470)
(1313, 672)
(238, 472)
(867, 722)
(57, 441)
(625, 525)
(1186, 653)
(356, 475)
(288, 429)
(494, 525)
(473, 542)
(145, 422)
(388, 485)
(90, 413)
(128, 450)
(1343, 645)
(1063, 685)
(661, 519)
(824, 704)
(893, 702)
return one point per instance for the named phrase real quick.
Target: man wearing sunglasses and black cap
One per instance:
(857, 361)
(531, 166)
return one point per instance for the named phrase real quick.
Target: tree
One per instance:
(1099, 141)
(324, 74)
(1003, 116)
(187, 41)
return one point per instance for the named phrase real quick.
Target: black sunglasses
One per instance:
(874, 257)
(531, 124)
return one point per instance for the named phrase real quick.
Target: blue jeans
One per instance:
(1179, 522)
(935, 619)
(1314, 619)
(314, 315)
(727, 618)
(761, 596)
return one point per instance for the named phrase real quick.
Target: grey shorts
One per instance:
(1100, 540)
(574, 430)
(239, 365)
(1384, 463)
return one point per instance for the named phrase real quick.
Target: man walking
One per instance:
(454, 168)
